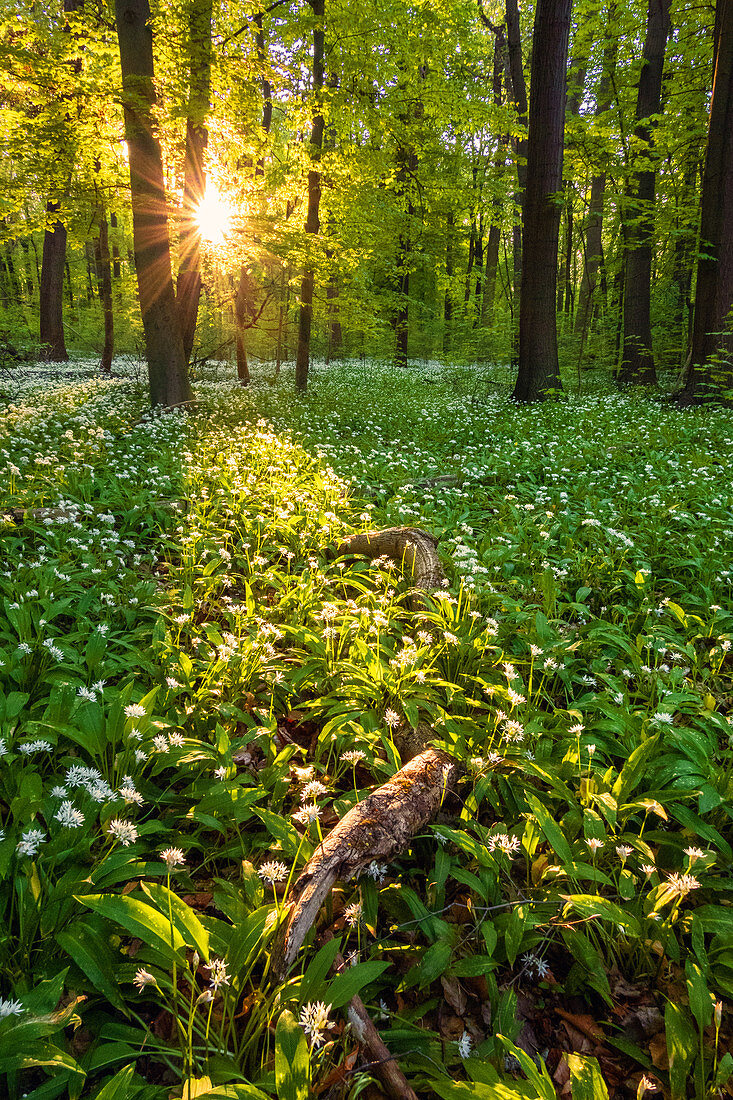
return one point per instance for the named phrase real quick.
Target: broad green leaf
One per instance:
(312, 984)
(681, 1048)
(352, 980)
(553, 832)
(592, 905)
(139, 920)
(91, 953)
(292, 1059)
(119, 1088)
(539, 1077)
(184, 917)
(585, 1075)
(701, 1002)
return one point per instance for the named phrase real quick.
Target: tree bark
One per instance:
(711, 366)
(594, 222)
(518, 93)
(52, 289)
(167, 370)
(448, 300)
(188, 289)
(312, 223)
(637, 359)
(104, 277)
(539, 371)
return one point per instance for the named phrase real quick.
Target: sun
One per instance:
(214, 217)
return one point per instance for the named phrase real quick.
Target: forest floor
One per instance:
(194, 690)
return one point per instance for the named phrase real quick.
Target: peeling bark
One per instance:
(378, 828)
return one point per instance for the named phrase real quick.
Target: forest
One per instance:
(366, 549)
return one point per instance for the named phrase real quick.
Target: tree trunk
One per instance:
(188, 290)
(52, 290)
(244, 313)
(312, 223)
(448, 301)
(167, 371)
(518, 92)
(104, 276)
(711, 363)
(539, 371)
(637, 361)
(492, 244)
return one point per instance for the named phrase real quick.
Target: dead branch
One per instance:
(382, 1062)
(409, 547)
(376, 829)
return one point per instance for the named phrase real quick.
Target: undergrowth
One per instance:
(195, 689)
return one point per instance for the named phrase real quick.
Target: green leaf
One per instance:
(350, 981)
(286, 834)
(239, 1091)
(634, 768)
(585, 1075)
(551, 829)
(292, 1059)
(119, 1087)
(184, 918)
(540, 1078)
(313, 981)
(701, 1003)
(139, 920)
(681, 1048)
(91, 953)
(593, 905)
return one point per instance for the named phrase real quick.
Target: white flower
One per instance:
(218, 973)
(221, 772)
(353, 756)
(160, 743)
(312, 790)
(506, 844)
(124, 831)
(392, 718)
(131, 796)
(30, 841)
(35, 746)
(173, 857)
(176, 740)
(594, 844)
(681, 885)
(314, 1020)
(311, 811)
(352, 913)
(69, 816)
(10, 1008)
(143, 978)
(662, 718)
(623, 851)
(134, 710)
(273, 872)
(465, 1044)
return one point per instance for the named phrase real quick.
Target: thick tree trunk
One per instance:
(104, 277)
(539, 371)
(711, 370)
(167, 371)
(637, 362)
(312, 223)
(52, 289)
(188, 290)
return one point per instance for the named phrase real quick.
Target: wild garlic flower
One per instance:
(311, 811)
(30, 841)
(69, 816)
(505, 843)
(352, 913)
(173, 857)
(594, 844)
(217, 973)
(124, 831)
(10, 1007)
(353, 756)
(134, 710)
(391, 718)
(465, 1045)
(681, 885)
(314, 1020)
(273, 871)
(142, 978)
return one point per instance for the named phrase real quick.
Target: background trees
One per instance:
(421, 169)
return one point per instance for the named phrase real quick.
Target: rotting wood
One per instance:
(382, 1063)
(376, 829)
(408, 547)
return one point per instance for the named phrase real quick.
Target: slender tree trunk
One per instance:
(188, 288)
(711, 363)
(312, 223)
(518, 93)
(167, 371)
(104, 275)
(637, 363)
(448, 301)
(492, 244)
(539, 371)
(244, 312)
(52, 289)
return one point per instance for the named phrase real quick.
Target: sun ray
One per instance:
(214, 217)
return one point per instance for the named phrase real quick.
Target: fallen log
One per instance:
(381, 1062)
(376, 829)
(409, 547)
